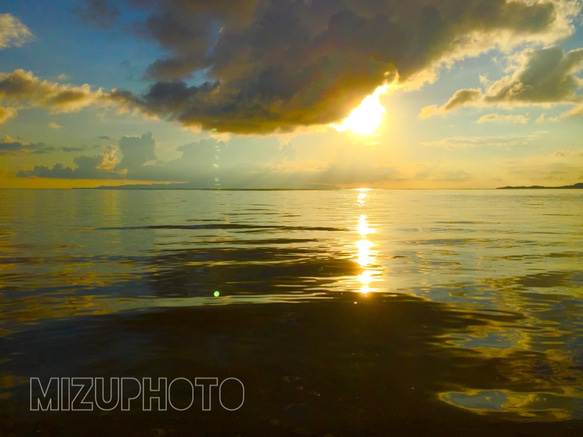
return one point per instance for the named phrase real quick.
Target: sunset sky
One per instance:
(291, 93)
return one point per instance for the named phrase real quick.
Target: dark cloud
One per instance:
(40, 171)
(73, 149)
(545, 76)
(188, 31)
(279, 64)
(100, 13)
(23, 89)
(6, 148)
(136, 151)
(14, 147)
(85, 170)
(461, 98)
(87, 167)
(199, 164)
(44, 150)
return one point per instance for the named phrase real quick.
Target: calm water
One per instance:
(503, 268)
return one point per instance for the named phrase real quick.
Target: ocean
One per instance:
(340, 312)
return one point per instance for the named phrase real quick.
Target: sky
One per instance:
(424, 94)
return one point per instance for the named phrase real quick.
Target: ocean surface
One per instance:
(472, 301)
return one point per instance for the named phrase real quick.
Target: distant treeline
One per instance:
(539, 187)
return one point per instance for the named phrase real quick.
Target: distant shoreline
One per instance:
(125, 187)
(540, 187)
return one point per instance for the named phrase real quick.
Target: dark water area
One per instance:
(342, 313)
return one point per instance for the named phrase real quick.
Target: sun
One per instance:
(367, 117)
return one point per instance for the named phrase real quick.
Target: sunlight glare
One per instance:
(363, 252)
(361, 198)
(363, 228)
(366, 118)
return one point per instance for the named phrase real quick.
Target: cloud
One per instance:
(100, 13)
(10, 147)
(136, 151)
(54, 125)
(248, 163)
(200, 163)
(460, 142)
(543, 118)
(22, 89)
(6, 114)
(73, 149)
(115, 162)
(544, 77)
(428, 111)
(240, 164)
(519, 118)
(462, 98)
(87, 167)
(267, 163)
(12, 32)
(278, 65)
(577, 110)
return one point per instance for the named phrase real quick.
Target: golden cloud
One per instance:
(12, 32)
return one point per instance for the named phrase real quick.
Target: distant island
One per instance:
(539, 187)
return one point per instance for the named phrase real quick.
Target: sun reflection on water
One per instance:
(365, 256)
(494, 302)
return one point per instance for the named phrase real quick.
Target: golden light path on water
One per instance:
(364, 245)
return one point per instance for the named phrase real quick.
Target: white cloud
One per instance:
(541, 77)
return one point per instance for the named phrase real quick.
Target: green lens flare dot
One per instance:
(216, 293)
